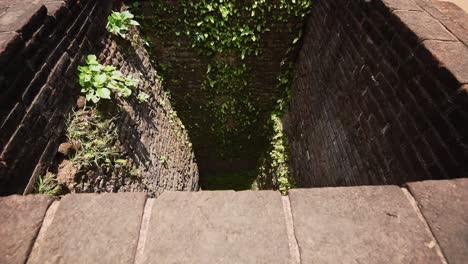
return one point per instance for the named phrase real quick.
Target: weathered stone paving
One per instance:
(379, 224)
(444, 204)
(217, 227)
(20, 221)
(91, 228)
(359, 225)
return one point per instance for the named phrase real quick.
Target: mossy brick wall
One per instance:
(41, 45)
(186, 70)
(380, 93)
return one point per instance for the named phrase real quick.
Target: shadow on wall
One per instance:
(386, 104)
(152, 135)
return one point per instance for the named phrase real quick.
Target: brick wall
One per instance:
(380, 93)
(41, 45)
(149, 131)
(187, 69)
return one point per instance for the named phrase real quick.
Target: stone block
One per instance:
(217, 227)
(408, 5)
(452, 56)
(10, 42)
(359, 225)
(444, 204)
(21, 218)
(92, 228)
(424, 26)
(23, 18)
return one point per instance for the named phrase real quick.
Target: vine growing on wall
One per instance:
(231, 104)
(229, 35)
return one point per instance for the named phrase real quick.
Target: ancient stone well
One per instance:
(377, 95)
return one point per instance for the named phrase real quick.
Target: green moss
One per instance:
(226, 113)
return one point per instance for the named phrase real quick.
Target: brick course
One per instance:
(377, 94)
(41, 45)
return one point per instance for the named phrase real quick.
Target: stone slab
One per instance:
(92, 228)
(451, 55)
(444, 204)
(407, 5)
(10, 43)
(424, 26)
(461, 3)
(217, 227)
(20, 220)
(21, 16)
(359, 225)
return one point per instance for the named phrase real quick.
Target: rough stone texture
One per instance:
(359, 225)
(402, 5)
(92, 228)
(370, 103)
(444, 204)
(424, 25)
(21, 218)
(22, 17)
(461, 3)
(217, 227)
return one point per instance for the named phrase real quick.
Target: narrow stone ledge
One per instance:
(444, 205)
(217, 227)
(452, 56)
(23, 18)
(10, 42)
(359, 225)
(92, 228)
(407, 5)
(424, 26)
(20, 220)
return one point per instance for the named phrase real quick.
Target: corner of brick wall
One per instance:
(41, 46)
(380, 93)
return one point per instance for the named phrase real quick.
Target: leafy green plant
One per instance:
(119, 22)
(274, 167)
(143, 97)
(47, 184)
(97, 136)
(99, 82)
(101, 163)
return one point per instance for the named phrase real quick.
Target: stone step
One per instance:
(379, 224)
(444, 205)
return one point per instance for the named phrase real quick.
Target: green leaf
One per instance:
(134, 23)
(92, 60)
(100, 79)
(104, 93)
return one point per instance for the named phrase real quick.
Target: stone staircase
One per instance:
(427, 222)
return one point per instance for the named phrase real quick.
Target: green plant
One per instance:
(119, 22)
(284, 185)
(143, 97)
(274, 165)
(47, 184)
(97, 136)
(99, 82)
